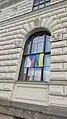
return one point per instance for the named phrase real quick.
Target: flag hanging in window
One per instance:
(41, 57)
(34, 60)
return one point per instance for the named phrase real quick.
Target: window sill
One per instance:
(51, 82)
(33, 82)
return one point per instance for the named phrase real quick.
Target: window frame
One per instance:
(38, 4)
(45, 53)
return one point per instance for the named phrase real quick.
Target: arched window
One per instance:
(38, 4)
(36, 58)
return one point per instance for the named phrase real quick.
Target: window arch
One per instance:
(36, 58)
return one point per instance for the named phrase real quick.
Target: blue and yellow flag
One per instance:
(41, 60)
(35, 60)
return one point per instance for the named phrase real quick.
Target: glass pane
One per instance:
(30, 75)
(47, 38)
(30, 61)
(41, 38)
(47, 0)
(37, 76)
(47, 60)
(35, 40)
(34, 48)
(41, 6)
(35, 8)
(46, 74)
(48, 47)
(24, 74)
(36, 2)
(41, 1)
(27, 49)
(27, 62)
(40, 47)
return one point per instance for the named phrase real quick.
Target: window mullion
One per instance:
(26, 74)
(43, 57)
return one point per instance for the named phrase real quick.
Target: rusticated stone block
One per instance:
(57, 51)
(58, 44)
(42, 116)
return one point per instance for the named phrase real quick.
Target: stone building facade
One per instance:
(32, 99)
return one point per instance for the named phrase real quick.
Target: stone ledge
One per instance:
(22, 110)
(51, 82)
(48, 110)
(4, 102)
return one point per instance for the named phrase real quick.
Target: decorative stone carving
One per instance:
(36, 22)
(18, 43)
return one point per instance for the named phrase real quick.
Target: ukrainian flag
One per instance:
(41, 57)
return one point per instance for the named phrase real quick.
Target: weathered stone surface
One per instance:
(32, 112)
(32, 100)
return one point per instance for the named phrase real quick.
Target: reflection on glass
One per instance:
(34, 48)
(30, 75)
(37, 74)
(48, 44)
(27, 62)
(40, 47)
(36, 2)
(41, 39)
(47, 60)
(47, 38)
(47, 0)
(41, 6)
(48, 47)
(35, 40)
(41, 1)
(24, 74)
(46, 74)
(27, 49)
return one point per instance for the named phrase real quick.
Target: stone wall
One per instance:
(11, 8)
(17, 23)
(13, 35)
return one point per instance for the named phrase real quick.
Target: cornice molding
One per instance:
(7, 3)
(29, 15)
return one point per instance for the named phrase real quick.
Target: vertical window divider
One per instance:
(31, 45)
(43, 57)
